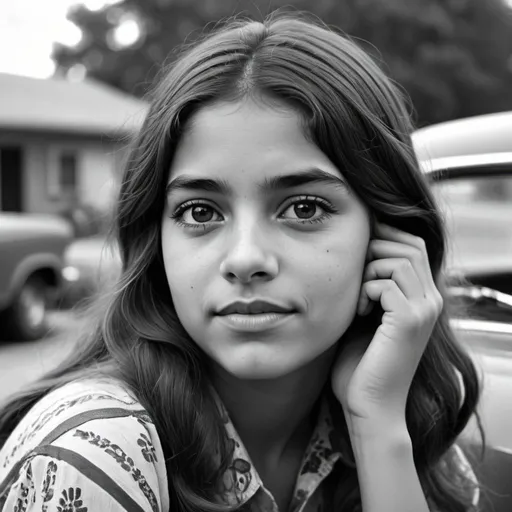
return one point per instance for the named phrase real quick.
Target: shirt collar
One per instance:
(326, 446)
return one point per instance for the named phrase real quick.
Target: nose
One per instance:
(249, 257)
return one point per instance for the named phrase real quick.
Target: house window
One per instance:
(67, 171)
(62, 173)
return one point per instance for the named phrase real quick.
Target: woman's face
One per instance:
(257, 214)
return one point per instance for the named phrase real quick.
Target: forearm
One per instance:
(385, 466)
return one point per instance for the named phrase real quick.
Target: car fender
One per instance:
(28, 266)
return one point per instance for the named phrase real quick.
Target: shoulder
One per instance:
(92, 438)
(81, 400)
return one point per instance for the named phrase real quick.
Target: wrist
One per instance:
(385, 443)
(384, 460)
(389, 430)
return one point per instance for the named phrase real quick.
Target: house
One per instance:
(62, 143)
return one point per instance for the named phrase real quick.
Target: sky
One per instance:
(28, 29)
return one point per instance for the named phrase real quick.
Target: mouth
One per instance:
(254, 307)
(255, 315)
(255, 322)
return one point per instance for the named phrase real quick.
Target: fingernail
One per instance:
(360, 306)
(368, 308)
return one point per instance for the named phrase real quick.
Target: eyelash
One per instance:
(327, 207)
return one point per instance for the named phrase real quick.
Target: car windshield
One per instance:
(478, 215)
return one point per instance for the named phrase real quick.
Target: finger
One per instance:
(380, 249)
(399, 270)
(397, 235)
(385, 291)
(364, 304)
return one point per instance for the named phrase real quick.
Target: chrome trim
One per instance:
(453, 162)
(482, 292)
(502, 449)
(469, 324)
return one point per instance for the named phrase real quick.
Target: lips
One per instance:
(253, 307)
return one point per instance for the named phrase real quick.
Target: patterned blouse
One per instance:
(89, 446)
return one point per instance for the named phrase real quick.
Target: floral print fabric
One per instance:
(89, 446)
(86, 447)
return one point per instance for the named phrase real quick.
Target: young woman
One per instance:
(278, 338)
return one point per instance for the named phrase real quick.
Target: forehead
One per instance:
(250, 138)
(256, 120)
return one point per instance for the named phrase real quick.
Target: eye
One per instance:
(200, 213)
(196, 214)
(308, 209)
(304, 209)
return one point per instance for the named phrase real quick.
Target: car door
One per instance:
(475, 195)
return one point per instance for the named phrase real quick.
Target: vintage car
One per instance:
(31, 271)
(469, 162)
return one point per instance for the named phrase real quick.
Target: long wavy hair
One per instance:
(360, 119)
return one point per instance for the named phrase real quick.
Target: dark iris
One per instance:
(202, 213)
(305, 210)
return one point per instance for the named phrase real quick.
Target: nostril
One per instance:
(247, 278)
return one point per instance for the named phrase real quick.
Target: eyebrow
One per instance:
(275, 183)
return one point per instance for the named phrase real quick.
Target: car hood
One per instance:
(15, 226)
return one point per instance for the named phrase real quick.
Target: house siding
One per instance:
(99, 163)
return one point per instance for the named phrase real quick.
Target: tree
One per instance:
(453, 57)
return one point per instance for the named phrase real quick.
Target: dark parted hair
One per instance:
(359, 118)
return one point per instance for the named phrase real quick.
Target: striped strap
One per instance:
(93, 473)
(62, 428)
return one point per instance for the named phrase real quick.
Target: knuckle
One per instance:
(418, 254)
(404, 264)
(369, 272)
(371, 266)
(438, 301)
(435, 306)
(373, 247)
(390, 285)
(419, 243)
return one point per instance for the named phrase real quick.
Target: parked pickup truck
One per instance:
(31, 271)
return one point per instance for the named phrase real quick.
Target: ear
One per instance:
(373, 220)
(364, 304)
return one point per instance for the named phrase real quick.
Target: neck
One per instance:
(272, 416)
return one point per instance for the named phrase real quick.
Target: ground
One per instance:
(23, 362)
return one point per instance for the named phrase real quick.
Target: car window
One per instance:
(478, 215)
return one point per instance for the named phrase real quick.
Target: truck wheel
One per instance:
(26, 318)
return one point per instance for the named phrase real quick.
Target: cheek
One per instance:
(337, 281)
(183, 272)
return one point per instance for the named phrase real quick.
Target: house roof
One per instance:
(87, 107)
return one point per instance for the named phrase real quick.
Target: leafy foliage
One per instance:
(453, 57)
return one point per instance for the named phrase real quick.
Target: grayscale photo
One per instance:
(256, 255)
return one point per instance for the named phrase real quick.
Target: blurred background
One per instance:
(73, 78)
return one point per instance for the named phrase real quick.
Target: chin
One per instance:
(257, 368)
